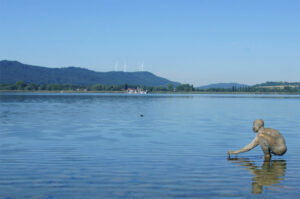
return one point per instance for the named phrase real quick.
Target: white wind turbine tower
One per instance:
(125, 67)
(141, 67)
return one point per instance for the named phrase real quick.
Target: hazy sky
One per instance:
(190, 41)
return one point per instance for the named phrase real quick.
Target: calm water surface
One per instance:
(99, 146)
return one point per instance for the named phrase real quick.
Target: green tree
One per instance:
(185, 87)
(170, 87)
(31, 87)
(20, 85)
(42, 87)
(97, 87)
(53, 87)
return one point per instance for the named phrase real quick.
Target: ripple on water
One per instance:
(98, 146)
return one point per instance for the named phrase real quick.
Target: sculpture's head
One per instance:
(257, 124)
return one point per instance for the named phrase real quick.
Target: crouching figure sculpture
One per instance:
(270, 140)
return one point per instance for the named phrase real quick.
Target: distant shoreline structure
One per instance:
(154, 92)
(137, 91)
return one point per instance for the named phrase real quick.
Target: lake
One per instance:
(144, 146)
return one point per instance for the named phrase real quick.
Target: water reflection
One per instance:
(269, 174)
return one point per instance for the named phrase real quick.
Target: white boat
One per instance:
(136, 91)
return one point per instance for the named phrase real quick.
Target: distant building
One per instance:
(136, 91)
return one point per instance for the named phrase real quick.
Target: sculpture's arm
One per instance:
(248, 147)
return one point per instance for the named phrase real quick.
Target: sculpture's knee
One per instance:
(279, 150)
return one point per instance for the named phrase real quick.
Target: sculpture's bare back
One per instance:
(270, 140)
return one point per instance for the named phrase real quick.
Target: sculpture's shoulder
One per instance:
(271, 131)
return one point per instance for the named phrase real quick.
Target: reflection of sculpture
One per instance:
(270, 140)
(270, 173)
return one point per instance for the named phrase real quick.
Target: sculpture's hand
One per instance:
(248, 147)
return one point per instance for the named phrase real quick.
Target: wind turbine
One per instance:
(125, 67)
(141, 67)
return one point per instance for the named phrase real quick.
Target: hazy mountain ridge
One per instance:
(13, 71)
(268, 84)
(223, 85)
(281, 83)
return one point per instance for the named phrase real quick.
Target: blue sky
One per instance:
(191, 41)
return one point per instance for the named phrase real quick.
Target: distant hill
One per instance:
(223, 85)
(271, 84)
(13, 71)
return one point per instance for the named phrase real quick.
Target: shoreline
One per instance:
(62, 91)
(154, 92)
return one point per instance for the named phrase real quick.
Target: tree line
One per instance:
(23, 86)
(255, 89)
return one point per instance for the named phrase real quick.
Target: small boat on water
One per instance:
(136, 91)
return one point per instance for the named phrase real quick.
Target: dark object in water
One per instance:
(142, 115)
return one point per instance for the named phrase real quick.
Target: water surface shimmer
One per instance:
(98, 146)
